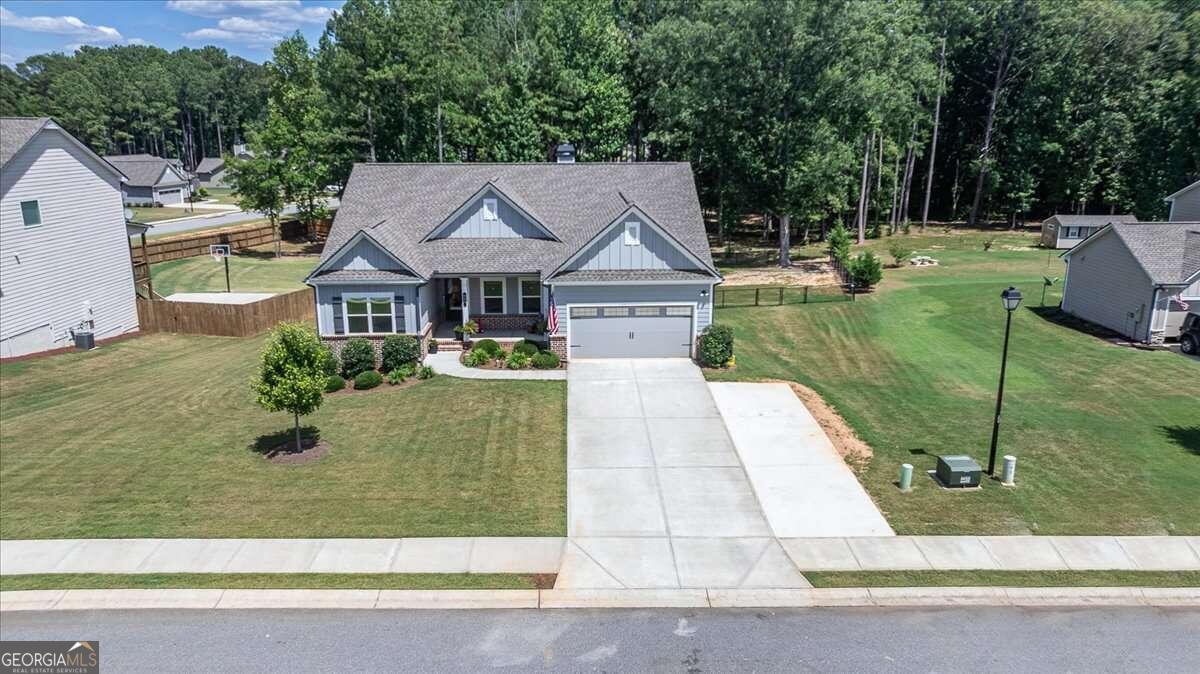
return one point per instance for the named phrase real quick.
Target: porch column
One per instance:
(466, 299)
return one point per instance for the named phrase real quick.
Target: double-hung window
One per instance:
(493, 296)
(368, 314)
(531, 296)
(31, 213)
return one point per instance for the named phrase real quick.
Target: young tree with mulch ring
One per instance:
(291, 376)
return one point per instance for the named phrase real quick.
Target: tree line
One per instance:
(870, 114)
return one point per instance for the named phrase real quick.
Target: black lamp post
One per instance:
(1011, 297)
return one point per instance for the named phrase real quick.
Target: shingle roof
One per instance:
(15, 132)
(632, 275)
(1168, 251)
(1090, 220)
(143, 170)
(209, 164)
(399, 204)
(363, 275)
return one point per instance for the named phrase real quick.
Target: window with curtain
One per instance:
(368, 315)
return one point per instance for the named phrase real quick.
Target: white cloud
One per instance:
(60, 25)
(137, 41)
(289, 13)
(8, 60)
(238, 24)
(243, 38)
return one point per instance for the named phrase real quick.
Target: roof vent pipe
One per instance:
(565, 153)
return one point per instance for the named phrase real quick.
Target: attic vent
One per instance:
(565, 153)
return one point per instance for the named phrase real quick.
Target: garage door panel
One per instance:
(631, 332)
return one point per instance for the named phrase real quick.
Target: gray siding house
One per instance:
(617, 251)
(152, 180)
(64, 244)
(1135, 279)
(1185, 204)
(1066, 231)
(210, 172)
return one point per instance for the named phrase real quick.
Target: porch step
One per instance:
(448, 345)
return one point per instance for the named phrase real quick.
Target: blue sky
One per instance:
(247, 28)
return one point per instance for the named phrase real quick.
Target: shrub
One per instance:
(399, 350)
(476, 357)
(490, 347)
(526, 347)
(716, 345)
(357, 356)
(290, 378)
(988, 243)
(367, 380)
(329, 364)
(866, 270)
(839, 243)
(425, 372)
(546, 360)
(334, 383)
(399, 374)
(517, 361)
(899, 251)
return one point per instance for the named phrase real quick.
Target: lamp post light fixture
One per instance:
(1011, 297)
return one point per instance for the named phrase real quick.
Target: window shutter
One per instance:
(398, 309)
(338, 325)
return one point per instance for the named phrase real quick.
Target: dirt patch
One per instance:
(543, 581)
(286, 454)
(806, 273)
(853, 450)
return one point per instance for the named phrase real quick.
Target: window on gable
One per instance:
(493, 296)
(31, 213)
(369, 315)
(489, 209)
(633, 234)
(531, 296)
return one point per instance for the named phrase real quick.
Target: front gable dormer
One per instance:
(633, 241)
(363, 253)
(491, 213)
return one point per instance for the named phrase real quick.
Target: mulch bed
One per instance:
(385, 386)
(543, 581)
(499, 365)
(286, 455)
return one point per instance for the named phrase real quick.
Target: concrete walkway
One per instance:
(804, 486)
(446, 362)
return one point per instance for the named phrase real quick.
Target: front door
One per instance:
(453, 300)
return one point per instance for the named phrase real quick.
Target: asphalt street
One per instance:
(670, 640)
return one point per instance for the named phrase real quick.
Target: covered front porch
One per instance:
(504, 307)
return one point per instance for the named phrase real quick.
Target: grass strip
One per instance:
(274, 581)
(1003, 578)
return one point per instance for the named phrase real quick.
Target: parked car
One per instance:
(1189, 334)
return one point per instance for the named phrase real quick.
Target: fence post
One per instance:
(756, 296)
(806, 294)
(781, 296)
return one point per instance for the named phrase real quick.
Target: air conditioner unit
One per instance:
(958, 471)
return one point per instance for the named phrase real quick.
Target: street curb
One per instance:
(930, 597)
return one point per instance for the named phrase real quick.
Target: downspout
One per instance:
(1153, 314)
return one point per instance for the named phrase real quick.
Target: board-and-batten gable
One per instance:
(653, 250)
(470, 222)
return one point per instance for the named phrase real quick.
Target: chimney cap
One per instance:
(565, 153)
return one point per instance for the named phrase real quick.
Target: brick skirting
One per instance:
(505, 321)
(336, 342)
(558, 344)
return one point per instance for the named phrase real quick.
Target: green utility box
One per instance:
(958, 471)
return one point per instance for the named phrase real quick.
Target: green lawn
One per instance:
(222, 195)
(146, 214)
(227, 581)
(1108, 438)
(156, 437)
(256, 272)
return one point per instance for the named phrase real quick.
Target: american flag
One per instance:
(552, 324)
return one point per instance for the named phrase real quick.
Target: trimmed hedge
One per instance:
(716, 345)
(489, 346)
(334, 383)
(367, 380)
(399, 350)
(546, 360)
(329, 362)
(357, 356)
(526, 347)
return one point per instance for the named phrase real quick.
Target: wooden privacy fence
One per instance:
(771, 296)
(236, 236)
(228, 320)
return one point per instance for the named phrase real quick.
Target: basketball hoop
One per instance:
(218, 251)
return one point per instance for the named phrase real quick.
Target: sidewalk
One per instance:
(67, 600)
(547, 555)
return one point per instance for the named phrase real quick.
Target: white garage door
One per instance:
(170, 197)
(631, 332)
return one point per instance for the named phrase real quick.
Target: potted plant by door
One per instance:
(465, 331)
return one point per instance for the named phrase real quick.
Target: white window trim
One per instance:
(494, 206)
(521, 296)
(483, 296)
(41, 219)
(370, 323)
(636, 228)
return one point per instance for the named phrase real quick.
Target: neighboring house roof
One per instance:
(1169, 252)
(400, 204)
(145, 170)
(1068, 220)
(16, 132)
(210, 164)
(1180, 193)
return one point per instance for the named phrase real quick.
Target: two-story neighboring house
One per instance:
(596, 259)
(1185, 204)
(64, 243)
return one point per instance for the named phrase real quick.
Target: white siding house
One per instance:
(64, 250)
(1185, 204)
